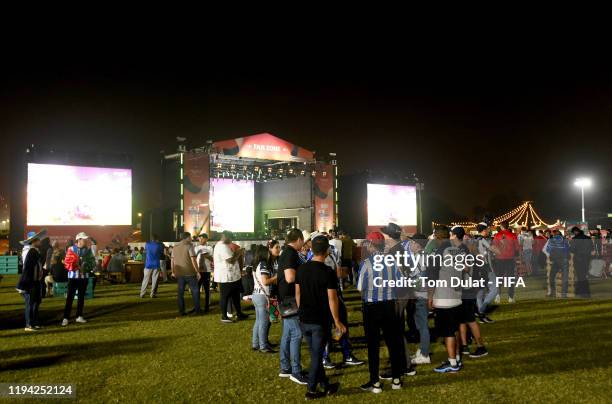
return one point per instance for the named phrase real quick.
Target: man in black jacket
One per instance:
(582, 248)
(30, 285)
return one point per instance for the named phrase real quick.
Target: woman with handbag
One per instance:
(264, 277)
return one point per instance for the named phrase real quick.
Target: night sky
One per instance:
(484, 133)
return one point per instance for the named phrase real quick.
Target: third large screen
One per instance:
(232, 205)
(61, 195)
(392, 204)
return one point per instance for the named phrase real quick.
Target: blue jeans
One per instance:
(421, 312)
(262, 322)
(316, 336)
(32, 302)
(291, 342)
(484, 298)
(195, 293)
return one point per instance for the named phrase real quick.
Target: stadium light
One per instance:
(582, 183)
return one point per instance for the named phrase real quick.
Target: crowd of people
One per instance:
(301, 281)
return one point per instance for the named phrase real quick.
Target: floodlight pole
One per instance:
(582, 193)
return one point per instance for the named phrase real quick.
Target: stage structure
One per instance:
(256, 186)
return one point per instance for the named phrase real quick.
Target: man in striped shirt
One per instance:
(379, 312)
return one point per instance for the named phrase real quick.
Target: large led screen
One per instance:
(60, 195)
(392, 204)
(232, 205)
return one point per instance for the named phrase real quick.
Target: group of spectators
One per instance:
(303, 281)
(45, 263)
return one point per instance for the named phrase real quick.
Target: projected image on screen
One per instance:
(391, 204)
(232, 205)
(60, 195)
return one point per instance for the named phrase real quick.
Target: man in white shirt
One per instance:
(204, 257)
(336, 242)
(227, 275)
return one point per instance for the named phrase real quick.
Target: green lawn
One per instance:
(136, 350)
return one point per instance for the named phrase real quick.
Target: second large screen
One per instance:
(391, 204)
(232, 205)
(60, 195)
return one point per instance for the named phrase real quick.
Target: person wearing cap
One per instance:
(80, 263)
(485, 296)
(403, 294)
(379, 313)
(29, 285)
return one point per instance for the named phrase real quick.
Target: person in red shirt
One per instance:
(506, 244)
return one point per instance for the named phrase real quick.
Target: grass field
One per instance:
(135, 350)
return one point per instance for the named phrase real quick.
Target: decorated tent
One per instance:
(523, 215)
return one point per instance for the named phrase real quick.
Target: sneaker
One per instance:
(421, 359)
(313, 395)
(242, 316)
(446, 367)
(480, 318)
(352, 361)
(497, 299)
(81, 320)
(226, 320)
(30, 329)
(487, 319)
(479, 352)
(375, 388)
(267, 350)
(255, 348)
(327, 364)
(465, 349)
(284, 373)
(299, 379)
(37, 327)
(511, 300)
(396, 384)
(410, 372)
(64, 322)
(387, 375)
(230, 315)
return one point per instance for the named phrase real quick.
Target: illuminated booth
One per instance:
(257, 187)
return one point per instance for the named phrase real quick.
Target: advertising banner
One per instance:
(196, 184)
(324, 197)
(264, 146)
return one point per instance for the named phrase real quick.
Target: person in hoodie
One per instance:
(557, 249)
(29, 285)
(506, 243)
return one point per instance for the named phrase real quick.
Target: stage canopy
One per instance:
(263, 146)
